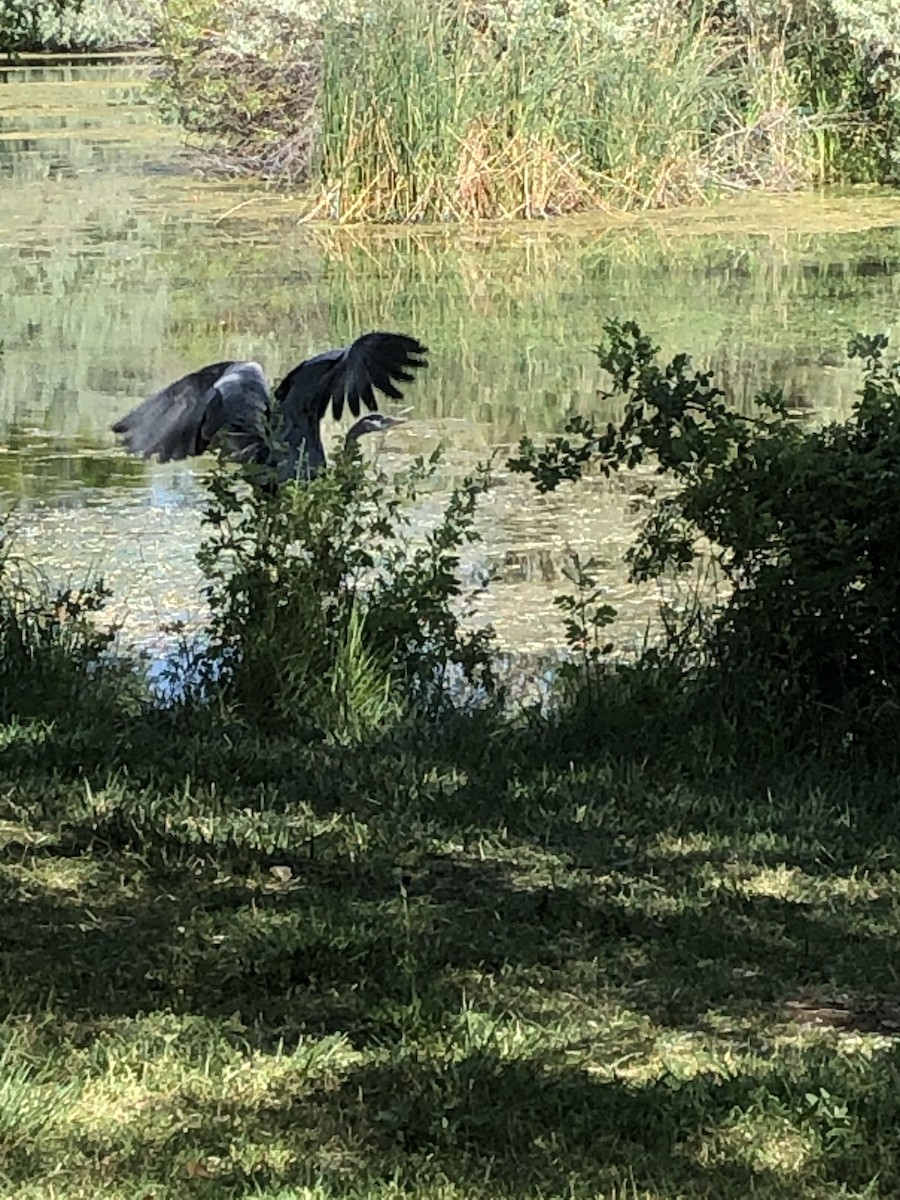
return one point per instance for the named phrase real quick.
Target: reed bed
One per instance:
(445, 123)
(392, 110)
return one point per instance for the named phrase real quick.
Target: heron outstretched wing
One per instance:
(227, 398)
(351, 375)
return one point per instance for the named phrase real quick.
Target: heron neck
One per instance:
(356, 431)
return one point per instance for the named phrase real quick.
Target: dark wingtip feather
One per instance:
(349, 378)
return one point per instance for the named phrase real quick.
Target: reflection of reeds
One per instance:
(511, 317)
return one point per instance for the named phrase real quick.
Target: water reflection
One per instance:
(121, 269)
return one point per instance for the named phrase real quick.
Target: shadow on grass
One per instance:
(369, 943)
(647, 938)
(482, 1125)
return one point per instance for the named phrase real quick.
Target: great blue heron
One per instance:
(229, 403)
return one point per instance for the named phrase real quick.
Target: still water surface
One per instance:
(122, 267)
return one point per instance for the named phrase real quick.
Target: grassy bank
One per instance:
(391, 110)
(313, 929)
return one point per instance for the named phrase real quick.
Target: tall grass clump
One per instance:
(330, 616)
(426, 117)
(663, 112)
(56, 653)
(453, 117)
(396, 111)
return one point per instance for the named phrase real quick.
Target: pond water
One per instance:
(122, 268)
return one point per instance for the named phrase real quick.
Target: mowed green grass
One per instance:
(478, 968)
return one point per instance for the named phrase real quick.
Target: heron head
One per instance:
(374, 422)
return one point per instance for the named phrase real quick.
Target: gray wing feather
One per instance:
(351, 375)
(183, 419)
(238, 412)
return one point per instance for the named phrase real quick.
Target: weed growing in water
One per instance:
(328, 613)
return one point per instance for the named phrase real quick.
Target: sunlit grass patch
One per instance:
(144, 1073)
(33, 1104)
(61, 877)
(762, 1140)
(793, 883)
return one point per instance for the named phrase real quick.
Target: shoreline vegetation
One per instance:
(314, 930)
(395, 111)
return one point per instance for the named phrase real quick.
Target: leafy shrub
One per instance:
(801, 522)
(327, 613)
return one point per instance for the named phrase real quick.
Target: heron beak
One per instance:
(390, 420)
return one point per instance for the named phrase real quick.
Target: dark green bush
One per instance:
(802, 523)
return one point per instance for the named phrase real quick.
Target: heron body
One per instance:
(230, 404)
